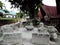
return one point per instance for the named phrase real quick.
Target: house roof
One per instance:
(2, 11)
(10, 12)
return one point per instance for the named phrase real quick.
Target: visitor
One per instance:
(39, 14)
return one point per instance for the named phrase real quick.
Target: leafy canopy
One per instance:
(26, 5)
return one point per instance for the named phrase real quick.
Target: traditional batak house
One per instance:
(52, 8)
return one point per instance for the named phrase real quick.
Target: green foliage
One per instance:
(4, 21)
(20, 15)
(1, 4)
(26, 5)
(8, 19)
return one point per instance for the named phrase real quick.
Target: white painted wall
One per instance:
(9, 16)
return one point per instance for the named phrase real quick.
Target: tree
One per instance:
(27, 5)
(1, 4)
(19, 14)
(58, 6)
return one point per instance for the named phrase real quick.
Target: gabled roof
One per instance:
(10, 12)
(2, 11)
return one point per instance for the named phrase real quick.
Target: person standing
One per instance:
(39, 14)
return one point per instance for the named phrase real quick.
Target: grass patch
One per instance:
(7, 19)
